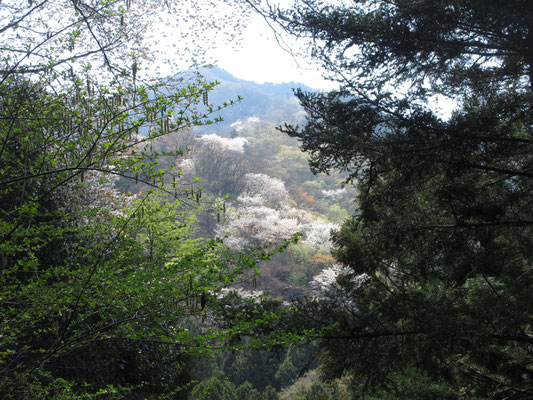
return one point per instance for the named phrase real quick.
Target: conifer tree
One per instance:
(443, 231)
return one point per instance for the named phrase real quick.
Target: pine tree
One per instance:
(443, 230)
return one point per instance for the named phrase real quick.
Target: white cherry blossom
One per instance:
(236, 144)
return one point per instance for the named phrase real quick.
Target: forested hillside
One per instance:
(254, 185)
(273, 102)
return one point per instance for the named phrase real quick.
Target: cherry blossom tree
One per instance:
(263, 189)
(232, 144)
(262, 215)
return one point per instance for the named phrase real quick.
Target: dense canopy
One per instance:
(443, 231)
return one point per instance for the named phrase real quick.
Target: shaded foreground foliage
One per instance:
(435, 298)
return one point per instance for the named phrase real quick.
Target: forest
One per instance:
(170, 231)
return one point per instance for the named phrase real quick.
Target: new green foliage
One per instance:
(98, 288)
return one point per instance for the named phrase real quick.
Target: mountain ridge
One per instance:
(267, 101)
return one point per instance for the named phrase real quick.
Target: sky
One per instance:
(261, 59)
(258, 56)
(236, 39)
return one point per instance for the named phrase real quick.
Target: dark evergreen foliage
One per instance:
(443, 233)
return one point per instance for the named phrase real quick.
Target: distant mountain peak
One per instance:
(268, 101)
(218, 74)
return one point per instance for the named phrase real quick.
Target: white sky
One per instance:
(252, 54)
(261, 59)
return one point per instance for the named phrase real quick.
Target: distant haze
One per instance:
(267, 101)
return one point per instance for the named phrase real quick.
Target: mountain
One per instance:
(268, 101)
